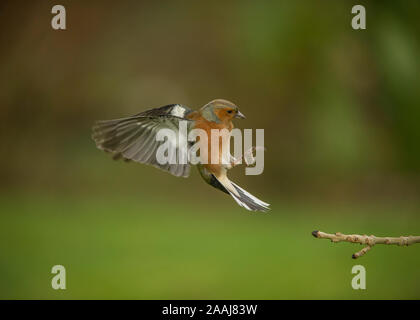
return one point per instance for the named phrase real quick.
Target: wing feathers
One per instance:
(134, 138)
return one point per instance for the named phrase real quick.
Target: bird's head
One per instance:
(220, 110)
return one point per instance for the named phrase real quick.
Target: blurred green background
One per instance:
(340, 109)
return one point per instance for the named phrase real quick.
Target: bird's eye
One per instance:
(229, 111)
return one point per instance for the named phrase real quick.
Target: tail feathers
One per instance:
(247, 200)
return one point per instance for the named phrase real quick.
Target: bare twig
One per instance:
(369, 241)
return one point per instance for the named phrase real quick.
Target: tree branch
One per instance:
(369, 241)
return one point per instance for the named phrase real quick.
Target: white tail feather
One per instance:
(243, 197)
(265, 204)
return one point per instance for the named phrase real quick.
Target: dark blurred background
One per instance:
(340, 109)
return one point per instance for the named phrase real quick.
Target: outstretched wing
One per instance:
(134, 138)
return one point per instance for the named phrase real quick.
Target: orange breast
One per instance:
(206, 151)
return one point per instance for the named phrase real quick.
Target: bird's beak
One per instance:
(240, 115)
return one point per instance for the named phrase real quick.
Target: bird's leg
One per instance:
(247, 156)
(234, 162)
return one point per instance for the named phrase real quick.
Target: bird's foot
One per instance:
(248, 157)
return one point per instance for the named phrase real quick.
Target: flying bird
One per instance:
(134, 139)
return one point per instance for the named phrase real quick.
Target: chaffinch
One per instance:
(134, 138)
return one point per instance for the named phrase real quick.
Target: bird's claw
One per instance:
(249, 155)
